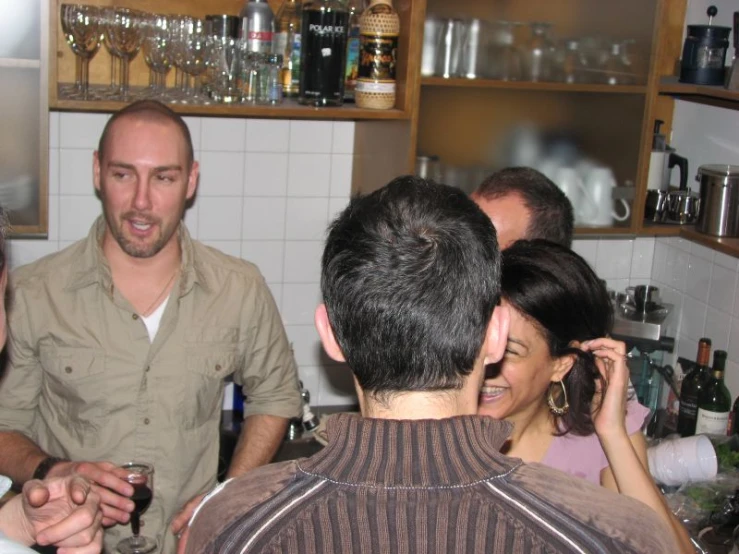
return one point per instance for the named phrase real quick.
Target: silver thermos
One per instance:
(257, 26)
(719, 200)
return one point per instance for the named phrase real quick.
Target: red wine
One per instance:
(141, 498)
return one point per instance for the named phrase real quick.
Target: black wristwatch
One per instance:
(42, 470)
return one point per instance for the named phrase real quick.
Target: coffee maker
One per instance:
(704, 53)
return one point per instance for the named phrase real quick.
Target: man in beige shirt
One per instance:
(120, 344)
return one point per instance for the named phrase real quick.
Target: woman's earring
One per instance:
(564, 407)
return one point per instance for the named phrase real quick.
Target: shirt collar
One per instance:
(94, 268)
(412, 453)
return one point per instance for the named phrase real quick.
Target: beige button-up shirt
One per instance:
(84, 382)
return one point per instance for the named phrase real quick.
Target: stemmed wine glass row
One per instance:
(207, 68)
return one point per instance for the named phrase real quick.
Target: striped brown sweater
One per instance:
(433, 486)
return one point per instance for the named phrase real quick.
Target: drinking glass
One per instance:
(141, 476)
(195, 56)
(539, 53)
(125, 35)
(158, 56)
(80, 24)
(224, 67)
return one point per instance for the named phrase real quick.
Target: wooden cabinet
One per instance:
(464, 121)
(467, 122)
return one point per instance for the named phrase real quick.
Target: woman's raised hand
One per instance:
(609, 409)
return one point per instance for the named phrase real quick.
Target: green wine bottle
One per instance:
(691, 387)
(714, 403)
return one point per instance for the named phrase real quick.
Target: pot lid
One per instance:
(719, 170)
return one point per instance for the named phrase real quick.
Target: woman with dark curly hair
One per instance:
(565, 385)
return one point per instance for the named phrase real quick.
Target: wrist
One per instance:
(14, 524)
(45, 466)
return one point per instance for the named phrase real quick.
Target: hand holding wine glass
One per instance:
(141, 476)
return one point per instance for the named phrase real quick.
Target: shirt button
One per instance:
(218, 367)
(146, 421)
(147, 369)
(135, 316)
(68, 369)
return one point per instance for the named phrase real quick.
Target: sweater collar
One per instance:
(412, 453)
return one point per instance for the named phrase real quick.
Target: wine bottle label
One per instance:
(377, 57)
(713, 423)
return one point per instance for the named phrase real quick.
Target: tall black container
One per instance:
(325, 26)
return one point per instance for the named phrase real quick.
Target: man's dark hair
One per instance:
(151, 110)
(410, 277)
(551, 212)
(558, 292)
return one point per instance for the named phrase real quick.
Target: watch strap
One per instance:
(42, 470)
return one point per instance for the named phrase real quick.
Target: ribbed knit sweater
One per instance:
(431, 486)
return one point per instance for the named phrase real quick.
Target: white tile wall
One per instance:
(266, 191)
(705, 297)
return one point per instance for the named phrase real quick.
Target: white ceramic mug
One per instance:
(599, 186)
(569, 182)
(686, 460)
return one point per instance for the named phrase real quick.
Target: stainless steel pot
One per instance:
(719, 200)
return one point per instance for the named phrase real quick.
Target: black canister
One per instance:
(704, 53)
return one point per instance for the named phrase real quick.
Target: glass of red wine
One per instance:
(141, 476)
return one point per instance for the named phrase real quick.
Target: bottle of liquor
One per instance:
(355, 9)
(287, 43)
(379, 28)
(714, 402)
(690, 389)
(257, 26)
(325, 24)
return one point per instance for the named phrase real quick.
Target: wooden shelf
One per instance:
(703, 94)
(728, 246)
(532, 86)
(659, 230)
(289, 109)
(603, 231)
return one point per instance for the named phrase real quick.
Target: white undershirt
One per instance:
(153, 320)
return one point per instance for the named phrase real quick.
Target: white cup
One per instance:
(679, 461)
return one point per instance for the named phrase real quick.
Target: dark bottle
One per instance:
(714, 402)
(734, 418)
(690, 389)
(325, 24)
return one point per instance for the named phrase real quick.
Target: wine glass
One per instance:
(196, 55)
(141, 476)
(80, 25)
(158, 56)
(125, 36)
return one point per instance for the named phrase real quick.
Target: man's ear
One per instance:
(192, 180)
(96, 170)
(497, 334)
(327, 334)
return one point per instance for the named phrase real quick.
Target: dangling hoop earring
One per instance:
(558, 410)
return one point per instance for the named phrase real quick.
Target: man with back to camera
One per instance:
(121, 343)
(411, 282)
(525, 204)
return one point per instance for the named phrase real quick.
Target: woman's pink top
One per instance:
(584, 456)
